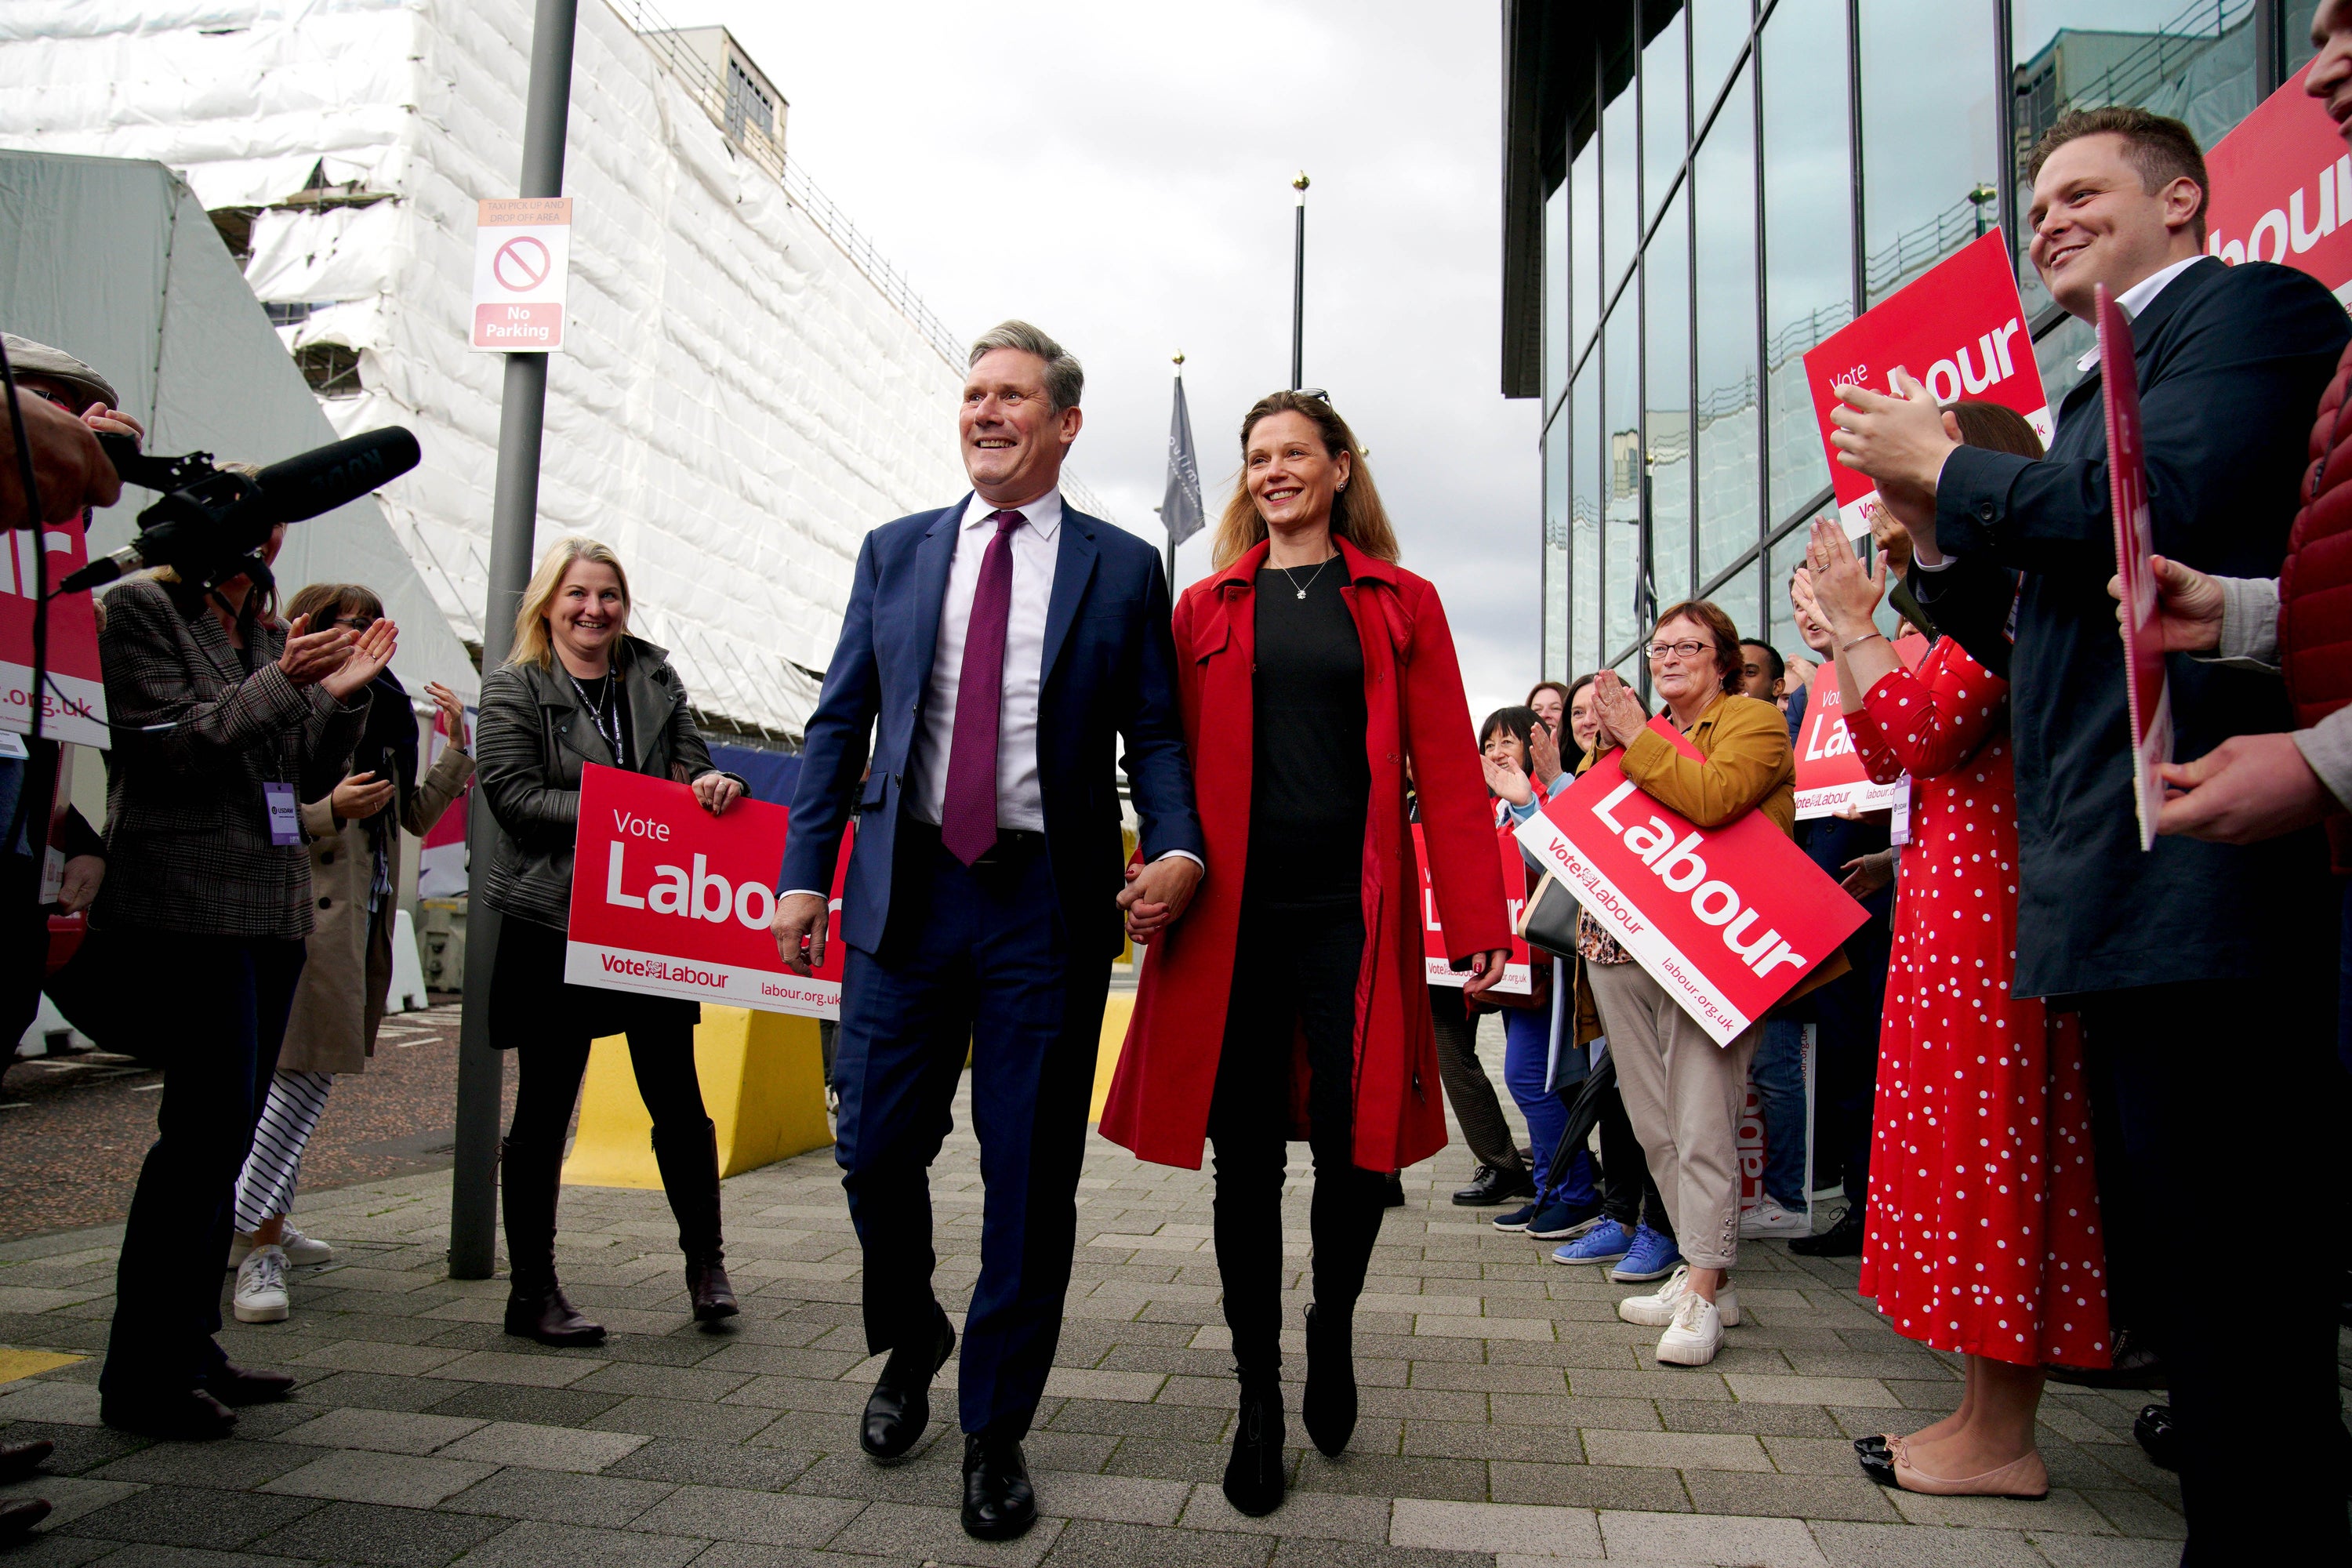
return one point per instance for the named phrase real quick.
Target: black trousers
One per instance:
(1467, 1087)
(2253, 1379)
(1628, 1193)
(1848, 1013)
(1294, 972)
(230, 998)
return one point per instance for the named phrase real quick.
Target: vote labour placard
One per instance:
(1726, 919)
(73, 702)
(2280, 189)
(523, 253)
(1518, 971)
(2148, 691)
(673, 901)
(1831, 777)
(1959, 328)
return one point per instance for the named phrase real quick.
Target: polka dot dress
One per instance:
(1984, 1232)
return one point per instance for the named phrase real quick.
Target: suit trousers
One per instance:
(1683, 1094)
(230, 998)
(986, 965)
(2255, 1394)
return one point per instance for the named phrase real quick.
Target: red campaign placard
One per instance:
(2148, 687)
(671, 901)
(2279, 188)
(1830, 773)
(1726, 919)
(1960, 328)
(1519, 971)
(73, 707)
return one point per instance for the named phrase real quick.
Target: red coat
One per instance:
(1159, 1104)
(2316, 585)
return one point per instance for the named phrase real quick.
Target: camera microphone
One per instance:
(327, 477)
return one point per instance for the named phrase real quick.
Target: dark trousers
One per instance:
(230, 996)
(2254, 1388)
(1629, 1194)
(24, 945)
(986, 965)
(1295, 972)
(1847, 1012)
(1467, 1087)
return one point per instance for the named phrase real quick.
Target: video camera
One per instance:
(212, 522)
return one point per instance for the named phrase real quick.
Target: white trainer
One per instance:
(261, 1286)
(301, 1251)
(1769, 1218)
(1656, 1311)
(1695, 1335)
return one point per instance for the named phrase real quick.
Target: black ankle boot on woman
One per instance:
(1328, 1407)
(1253, 1476)
(689, 1171)
(537, 1307)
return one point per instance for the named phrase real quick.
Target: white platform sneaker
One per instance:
(261, 1286)
(300, 1250)
(1769, 1218)
(1695, 1335)
(1656, 1311)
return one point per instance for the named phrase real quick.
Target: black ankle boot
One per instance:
(1328, 1405)
(537, 1307)
(1253, 1476)
(688, 1160)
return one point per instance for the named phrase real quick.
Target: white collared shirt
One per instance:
(2136, 298)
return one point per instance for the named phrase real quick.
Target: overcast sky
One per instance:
(1119, 175)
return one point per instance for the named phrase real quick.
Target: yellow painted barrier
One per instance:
(1116, 1013)
(762, 1081)
(16, 1364)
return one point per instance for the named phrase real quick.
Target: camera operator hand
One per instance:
(370, 653)
(69, 467)
(360, 796)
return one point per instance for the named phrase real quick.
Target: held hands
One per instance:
(360, 796)
(1618, 710)
(2247, 789)
(800, 925)
(453, 711)
(1156, 895)
(1543, 755)
(1505, 779)
(1844, 594)
(2188, 607)
(1485, 973)
(370, 651)
(716, 792)
(1899, 441)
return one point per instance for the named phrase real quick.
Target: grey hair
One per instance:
(1065, 379)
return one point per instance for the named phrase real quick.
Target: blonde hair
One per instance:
(532, 642)
(1356, 515)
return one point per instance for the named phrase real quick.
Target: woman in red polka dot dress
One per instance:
(1983, 1227)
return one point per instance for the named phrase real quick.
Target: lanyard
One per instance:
(600, 710)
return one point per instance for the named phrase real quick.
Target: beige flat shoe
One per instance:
(2025, 1479)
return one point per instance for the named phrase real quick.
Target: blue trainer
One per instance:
(1606, 1242)
(1558, 1221)
(1652, 1257)
(1517, 1219)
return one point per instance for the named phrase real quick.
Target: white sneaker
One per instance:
(307, 1249)
(1769, 1218)
(1695, 1335)
(1656, 1311)
(261, 1286)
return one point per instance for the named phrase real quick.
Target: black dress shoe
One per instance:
(900, 1406)
(1493, 1186)
(18, 1517)
(1254, 1478)
(1394, 1191)
(1328, 1405)
(999, 1503)
(2158, 1436)
(18, 1460)
(1842, 1239)
(233, 1385)
(192, 1417)
(2136, 1365)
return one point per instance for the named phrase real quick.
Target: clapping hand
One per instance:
(1543, 755)
(371, 651)
(1504, 778)
(1844, 594)
(310, 657)
(1896, 440)
(1618, 710)
(360, 796)
(453, 711)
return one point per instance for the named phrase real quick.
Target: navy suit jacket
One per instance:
(2232, 362)
(1109, 674)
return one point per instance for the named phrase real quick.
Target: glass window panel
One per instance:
(1737, 598)
(1555, 549)
(1718, 29)
(1785, 557)
(1916, 185)
(2193, 59)
(1808, 230)
(1666, 274)
(1725, 412)
(1621, 166)
(1584, 245)
(2294, 31)
(1620, 482)
(1665, 113)
(1584, 518)
(1555, 299)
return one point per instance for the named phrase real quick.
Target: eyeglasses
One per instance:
(1314, 392)
(1679, 649)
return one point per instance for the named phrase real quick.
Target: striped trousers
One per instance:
(288, 1116)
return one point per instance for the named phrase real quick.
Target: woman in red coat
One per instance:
(1290, 1001)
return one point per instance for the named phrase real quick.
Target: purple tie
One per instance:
(968, 813)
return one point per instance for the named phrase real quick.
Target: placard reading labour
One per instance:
(522, 252)
(1726, 919)
(1831, 777)
(1518, 973)
(73, 704)
(2148, 689)
(669, 899)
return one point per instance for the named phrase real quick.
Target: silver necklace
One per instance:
(1310, 576)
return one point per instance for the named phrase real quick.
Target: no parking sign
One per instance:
(522, 250)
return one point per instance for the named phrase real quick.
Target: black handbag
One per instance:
(1550, 920)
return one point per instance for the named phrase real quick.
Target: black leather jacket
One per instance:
(530, 746)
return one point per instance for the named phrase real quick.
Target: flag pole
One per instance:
(1298, 287)
(1179, 357)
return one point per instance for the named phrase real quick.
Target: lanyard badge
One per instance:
(285, 818)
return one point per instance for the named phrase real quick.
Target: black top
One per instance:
(1311, 785)
(606, 707)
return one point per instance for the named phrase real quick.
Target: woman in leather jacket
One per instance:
(579, 689)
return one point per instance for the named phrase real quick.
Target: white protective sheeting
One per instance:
(737, 406)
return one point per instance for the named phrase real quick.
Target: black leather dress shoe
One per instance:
(233, 1385)
(18, 1515)
(18, 1460)
(1842, 1239)
(2159, 1438)
(900, 1406)
(192, 1416)
(999, 1503)
(1493, 1186)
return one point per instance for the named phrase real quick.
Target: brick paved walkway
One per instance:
(1507, 1416)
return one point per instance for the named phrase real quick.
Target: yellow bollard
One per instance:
(1116, 1013)
(762, 1078)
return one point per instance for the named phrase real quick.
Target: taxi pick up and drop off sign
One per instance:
(1727, 919)
(523, 253)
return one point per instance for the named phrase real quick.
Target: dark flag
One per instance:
(1180, 508)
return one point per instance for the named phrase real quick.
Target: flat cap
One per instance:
(27, 357)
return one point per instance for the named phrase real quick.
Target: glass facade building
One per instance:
(1696, 192)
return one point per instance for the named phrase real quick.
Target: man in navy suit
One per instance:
(2177, 956)
(1007, 644)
